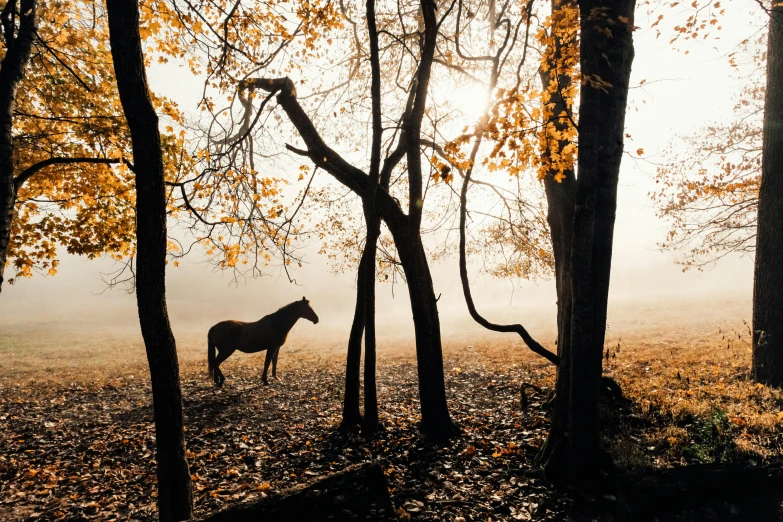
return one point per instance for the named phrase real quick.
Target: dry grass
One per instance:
(693, 401)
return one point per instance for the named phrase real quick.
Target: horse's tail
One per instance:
(211, 355)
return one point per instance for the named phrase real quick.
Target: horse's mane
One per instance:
(286, 308)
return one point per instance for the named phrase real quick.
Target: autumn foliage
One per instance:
(67, 110)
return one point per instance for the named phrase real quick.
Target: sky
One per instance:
(682, 94)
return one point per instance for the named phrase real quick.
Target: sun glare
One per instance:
(469, 99)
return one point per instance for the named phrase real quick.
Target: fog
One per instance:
(646, 283)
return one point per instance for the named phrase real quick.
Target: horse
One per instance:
(268, 333)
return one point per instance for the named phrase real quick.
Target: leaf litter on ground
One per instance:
(85, 450)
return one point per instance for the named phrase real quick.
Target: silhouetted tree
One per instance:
(18, 45)
(606, 54)
(405, 227)
(175, 493)
(768, 281)
(364, 316)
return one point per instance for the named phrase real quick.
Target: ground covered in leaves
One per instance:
(83, 449)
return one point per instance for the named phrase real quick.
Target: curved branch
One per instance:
(463, 274)
(463, 264)
(321, 154)
(32, 170)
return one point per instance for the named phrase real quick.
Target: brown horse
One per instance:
(269, 333)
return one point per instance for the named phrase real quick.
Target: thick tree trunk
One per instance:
(436, 422)
(768, 281)
(175, 493)
(606, 54)
(18, 45)
(7, 201)
(606, 51)
(560, 198)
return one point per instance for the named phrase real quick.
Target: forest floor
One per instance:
(78, 436)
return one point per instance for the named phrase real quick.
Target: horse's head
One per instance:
(307, 312)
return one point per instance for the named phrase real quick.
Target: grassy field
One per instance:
(684, 370)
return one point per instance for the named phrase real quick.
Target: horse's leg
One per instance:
(268, 359)
(274, 364)
(221, 356)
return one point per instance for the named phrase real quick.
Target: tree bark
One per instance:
(560, 196)
(364, 316)
(606, 54)
(601, 132)
(436, 422)
(175, 493)
(352, 415)
(371, 423)
(18, 46)
(768, 280)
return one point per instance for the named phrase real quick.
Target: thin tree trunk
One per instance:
(463, 214)
(560, 216)
(363, 323)
(352, 415)
(373, 222)
(18, 46)
(560, 199)
(435, 419)
(371, 422)
(606, 54)
(175, 493)
(768, 280)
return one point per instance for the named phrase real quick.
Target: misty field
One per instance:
(77, 420)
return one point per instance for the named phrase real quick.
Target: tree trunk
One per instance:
(768, 281)
(175, 493)
(436, 422)
(606, 54)
(601, 131)
(364, 315)
(370, 424)
(363, 323)
(560, 216)
(18, 45)
(351, 413)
